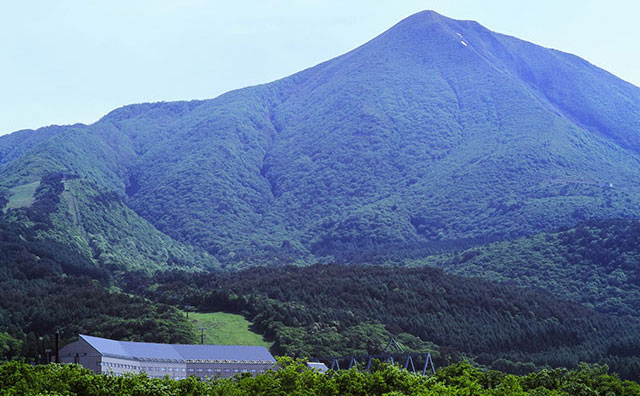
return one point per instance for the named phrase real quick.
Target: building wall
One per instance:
(83, 353)
(154, 369)
(225, 369)
(180, 370)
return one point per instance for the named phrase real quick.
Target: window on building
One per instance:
(200, 370)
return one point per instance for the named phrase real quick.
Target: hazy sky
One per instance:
(63, 62)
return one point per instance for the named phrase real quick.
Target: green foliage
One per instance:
(119, 240)
(10, 347)
(47, 285)
(31, 310)
(333, 310)
(292, 378)
(596, 263)
(90, 230)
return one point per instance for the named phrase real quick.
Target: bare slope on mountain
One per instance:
(434, 134)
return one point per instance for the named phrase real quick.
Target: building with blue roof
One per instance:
(177, 361)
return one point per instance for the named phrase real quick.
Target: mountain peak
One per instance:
(422, 19)
(425, 26)
(430, 17)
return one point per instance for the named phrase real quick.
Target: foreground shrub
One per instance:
(293, 378)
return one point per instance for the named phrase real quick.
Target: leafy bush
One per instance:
(293, 378)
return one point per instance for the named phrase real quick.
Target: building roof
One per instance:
(177, 352)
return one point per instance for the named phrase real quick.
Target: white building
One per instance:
(318, 366)
(103, 355)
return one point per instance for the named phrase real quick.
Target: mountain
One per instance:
(437, 143)
(437, 133)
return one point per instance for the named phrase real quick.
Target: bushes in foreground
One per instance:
(18, 378)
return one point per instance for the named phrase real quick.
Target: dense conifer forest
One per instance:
(333, 310)
(597, 263)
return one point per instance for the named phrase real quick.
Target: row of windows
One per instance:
(144, 368)
(174, 369)
(200, 370)
(118, 365)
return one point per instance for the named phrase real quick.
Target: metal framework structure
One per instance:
(404, 360)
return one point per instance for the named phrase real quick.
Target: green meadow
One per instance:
(22, 196)
(225, 329)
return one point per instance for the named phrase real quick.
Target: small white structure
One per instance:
(318, 366)
(177, 361)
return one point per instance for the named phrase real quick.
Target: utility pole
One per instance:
(202, 335)
(57, 346)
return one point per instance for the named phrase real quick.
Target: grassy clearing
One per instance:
(22, 196)
(225, 329)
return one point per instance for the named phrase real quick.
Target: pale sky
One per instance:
(68, 61)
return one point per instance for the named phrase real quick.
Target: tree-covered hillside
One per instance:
(83, 222)
(436, 134)
(335, 310)
(52, 279)
(596, 263)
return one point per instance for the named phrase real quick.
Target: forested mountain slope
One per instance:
(49, 283)
(596, 263)
(337, 310)
(437, 133)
